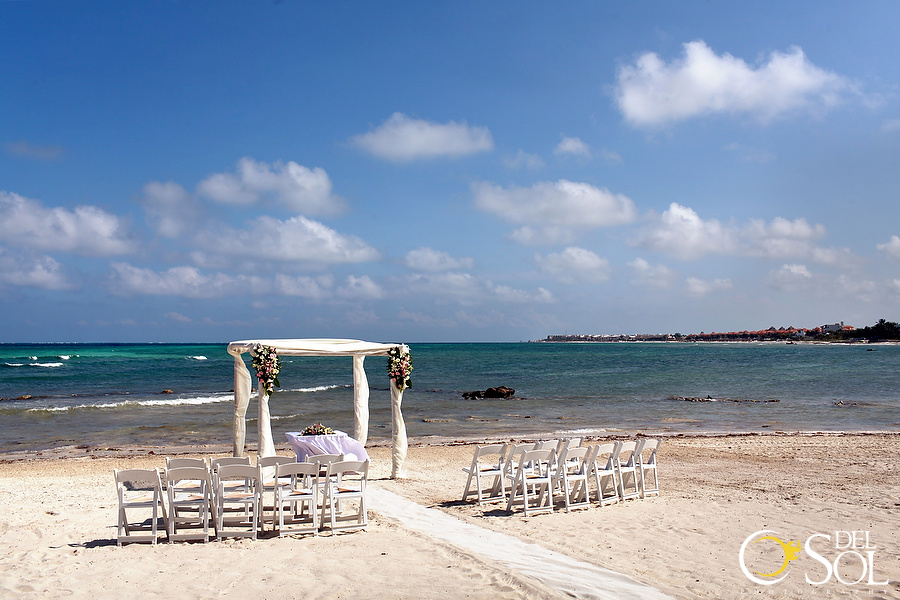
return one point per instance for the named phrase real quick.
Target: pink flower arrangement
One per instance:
(400, 367)
(267, 365)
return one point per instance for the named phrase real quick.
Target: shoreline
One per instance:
(225, 448)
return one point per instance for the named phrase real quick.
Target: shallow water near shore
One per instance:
(111, 394)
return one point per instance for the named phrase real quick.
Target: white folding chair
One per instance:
(626, 469)
(533, 480)
(481, 468)
(140, 489)
(270, 480)
(648, 466)
(345, 483)
(297, 489)
(603, 463)
(238, 486)
(180, 461)
(571, 477)
(190, 498)
(511, 464)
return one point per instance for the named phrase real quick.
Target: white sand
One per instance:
(57, 529)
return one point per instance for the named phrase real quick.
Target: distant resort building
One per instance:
(770, 334)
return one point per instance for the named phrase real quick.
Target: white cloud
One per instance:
(524, 160)
(402, 139)
(42, 272)
(699, 287)
(782, 239)
(169, 208)
(652, 92)
(311, 288)
(891, 248)
(360, 288)
(296, 239)
(610, 157)
(505, 293)
(177, 317)
(681, 233)
(575, 265)
(429, 259)
(573, 146)
(300, 189)
(184, 281)
(551, 212)
(646, 275)
(84, 230)
(790, 278)
(466, 289)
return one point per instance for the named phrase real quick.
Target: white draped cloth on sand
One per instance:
(356, 349)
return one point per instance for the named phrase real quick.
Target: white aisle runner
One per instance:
(576, 578)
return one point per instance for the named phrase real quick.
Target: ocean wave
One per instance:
(193, 401)
(319, 388)
(197, 358)
(47, 365)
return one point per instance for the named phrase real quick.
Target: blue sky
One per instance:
(465, 171)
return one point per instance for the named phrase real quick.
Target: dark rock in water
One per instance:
(167, 392)
(499, 392)
(492, 392)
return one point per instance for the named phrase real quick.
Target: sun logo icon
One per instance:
(789, 551)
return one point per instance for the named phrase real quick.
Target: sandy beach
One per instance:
(57, 532)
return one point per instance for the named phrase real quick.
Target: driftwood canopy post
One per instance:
(356, 349)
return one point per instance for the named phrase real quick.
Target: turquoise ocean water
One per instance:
(110, 394)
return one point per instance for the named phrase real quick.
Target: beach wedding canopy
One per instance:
(359, 350)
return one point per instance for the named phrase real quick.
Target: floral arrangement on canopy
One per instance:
(399, 367)
(267, 365)
(317, 429)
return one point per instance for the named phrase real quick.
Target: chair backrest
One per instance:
(512, 456)
(627, 453)
(142, 480)
(324, 459)
(272, 461)
(174, 463)
(538, 462)
(251, 477)
(349, 472)
(648, 444)
(606, 455)
(307, 472)
(567, 443)
(491, 450)
(215, 463)
(546, 444)
(177, 474)
(574, 459)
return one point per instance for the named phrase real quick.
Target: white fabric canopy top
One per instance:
(317, 347)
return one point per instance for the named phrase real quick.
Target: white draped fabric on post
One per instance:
(359, 350)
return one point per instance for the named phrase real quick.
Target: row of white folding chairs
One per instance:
(534, 472)
(192, 494)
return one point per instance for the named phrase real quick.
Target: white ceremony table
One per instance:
(332, 443)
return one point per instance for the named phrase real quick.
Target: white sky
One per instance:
(467, 171)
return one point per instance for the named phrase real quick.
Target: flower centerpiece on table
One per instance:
(267, 365)
(316, 429)
(400, 367)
